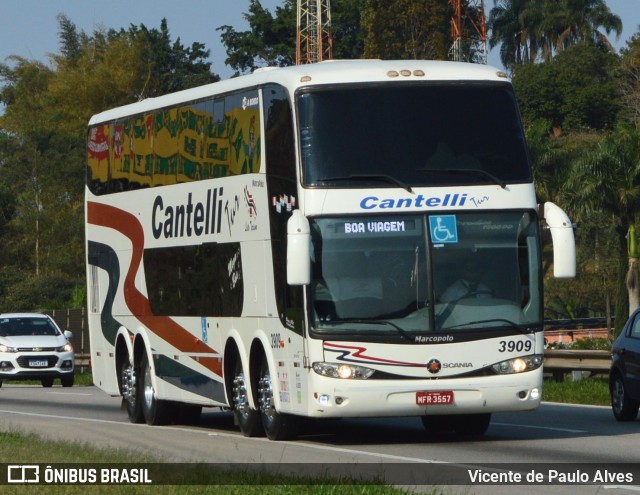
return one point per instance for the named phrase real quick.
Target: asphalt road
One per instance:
(537, 441)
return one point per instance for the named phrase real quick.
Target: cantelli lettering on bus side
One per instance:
(200, 218)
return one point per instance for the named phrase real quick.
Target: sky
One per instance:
(29, 28)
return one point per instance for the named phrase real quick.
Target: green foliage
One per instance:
(42, 148)
(407, 29)
(592, 391)
(577, 90)
(271, 39)
(529, 31)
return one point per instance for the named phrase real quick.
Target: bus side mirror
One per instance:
(564, 244)
(298, 250)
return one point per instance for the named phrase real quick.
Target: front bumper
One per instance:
(35, 366)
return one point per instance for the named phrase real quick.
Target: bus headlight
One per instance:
(344, 371)
(518, 365)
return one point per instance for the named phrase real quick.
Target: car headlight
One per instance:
(518, 365)
(344, 371)
(65, 348)
(5, 348)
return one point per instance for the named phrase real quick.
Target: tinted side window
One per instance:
(203, 280)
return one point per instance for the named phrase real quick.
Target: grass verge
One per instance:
(590, 391)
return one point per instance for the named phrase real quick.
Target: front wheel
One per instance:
(623, 408)
(155, 411)
(465, 424)
(277, 426)
(67, 381)
(47, 382)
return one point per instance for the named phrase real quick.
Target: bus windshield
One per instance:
(413, 274)
(392, 135)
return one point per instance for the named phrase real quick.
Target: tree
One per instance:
(537, 30)
(42, 147)
(576, 90)
(271, 40)
(407, 29)
(608, 180)
(629, 76)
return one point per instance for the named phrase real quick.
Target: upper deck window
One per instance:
(413, 135)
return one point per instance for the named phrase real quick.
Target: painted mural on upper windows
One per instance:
(213, 138)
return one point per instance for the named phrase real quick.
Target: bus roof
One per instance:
(327, 72)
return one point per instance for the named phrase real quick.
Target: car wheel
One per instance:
(156, 412)
(246, 418)
(47, 382)
(277, 426)
(622, 406)
(67, 381)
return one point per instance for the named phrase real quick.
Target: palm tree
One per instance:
(608, 180)
(532, 30)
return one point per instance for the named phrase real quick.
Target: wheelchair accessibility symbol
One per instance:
(443, 229)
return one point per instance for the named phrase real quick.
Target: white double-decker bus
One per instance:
(301, 242)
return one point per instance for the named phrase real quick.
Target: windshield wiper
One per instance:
(523, 329)
(477, 172)
(400, 330)
(380, 177)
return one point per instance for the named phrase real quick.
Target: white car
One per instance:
(32, 347)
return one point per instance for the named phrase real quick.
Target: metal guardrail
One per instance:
(561, 361)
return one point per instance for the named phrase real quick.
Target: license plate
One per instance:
(431, 398)
(38, 363)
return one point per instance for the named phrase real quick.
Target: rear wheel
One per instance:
(277, 426)
(245, 417)
(129, 389)
(155, 411)
(623, 408)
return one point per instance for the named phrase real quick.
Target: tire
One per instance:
(47, 382)
(473, 424)
(622, 406)
(155, 411)
(131, 399)
(439, 424)
(244, 416)
(67, 381)
(277, 426)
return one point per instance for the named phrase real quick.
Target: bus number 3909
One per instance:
(515, 346)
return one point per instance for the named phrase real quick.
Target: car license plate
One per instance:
(38, 363)
(432, 398)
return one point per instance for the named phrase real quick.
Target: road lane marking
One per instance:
(564, 430)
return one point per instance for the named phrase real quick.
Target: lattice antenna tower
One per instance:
(469, 32)
(313, 33)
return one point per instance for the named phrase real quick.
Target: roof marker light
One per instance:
(405, 72)
(305, 79)
(418, 73)
(393, 73)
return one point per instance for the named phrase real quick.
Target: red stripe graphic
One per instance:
(362, 357)
(138, 304)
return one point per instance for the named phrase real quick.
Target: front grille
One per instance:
(36, 349)
(30, 362)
